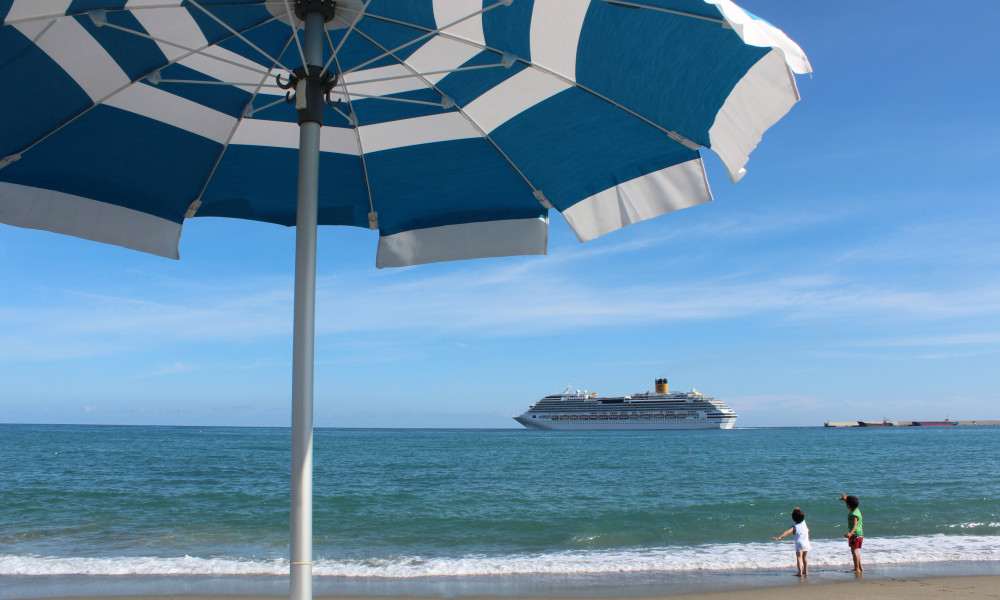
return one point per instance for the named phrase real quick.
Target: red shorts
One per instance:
(855, 541)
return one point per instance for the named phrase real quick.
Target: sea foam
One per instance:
(710, 557)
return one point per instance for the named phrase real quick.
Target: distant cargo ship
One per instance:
(882, 423)
(888, 423)
(659, 410)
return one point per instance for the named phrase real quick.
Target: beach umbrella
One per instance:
(450, 127)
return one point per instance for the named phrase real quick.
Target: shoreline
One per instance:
(902, 582)
(974, 587)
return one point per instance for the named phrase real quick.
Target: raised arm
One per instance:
(789, 532)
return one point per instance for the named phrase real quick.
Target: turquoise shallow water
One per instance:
(154, 501)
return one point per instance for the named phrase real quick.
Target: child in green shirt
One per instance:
(855, 534)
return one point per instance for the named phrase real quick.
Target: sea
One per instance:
(114, 510)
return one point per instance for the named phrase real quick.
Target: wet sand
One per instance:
(929, 588)
(901, 588)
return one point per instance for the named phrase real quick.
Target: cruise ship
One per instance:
(659, 410)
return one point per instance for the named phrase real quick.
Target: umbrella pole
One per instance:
(302, 366)
(304, 329)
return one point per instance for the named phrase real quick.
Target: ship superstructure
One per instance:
(575, 409)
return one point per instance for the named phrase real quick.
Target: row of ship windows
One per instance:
(658, 406)
(680, 404)
(623, 416)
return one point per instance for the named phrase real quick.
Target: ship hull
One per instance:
(624, 424)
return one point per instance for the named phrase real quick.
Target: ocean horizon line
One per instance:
(386, 428)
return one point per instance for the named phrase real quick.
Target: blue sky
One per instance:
(854, 273)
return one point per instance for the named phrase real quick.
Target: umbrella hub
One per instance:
(326, 7)
(309, 85)
(310, 88)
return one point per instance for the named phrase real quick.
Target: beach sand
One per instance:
(908, 588)
(936, 588)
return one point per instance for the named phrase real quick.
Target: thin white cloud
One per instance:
(953, 339)
(541, 302)
(507, 297)
(173, 369)
(777, 402)
(703, 231)
(953, 242)
(526, 298)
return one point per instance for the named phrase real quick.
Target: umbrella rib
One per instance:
(429, 33)
(537, 193)
(670, 133)
(196, 203)
(240, 35)
(626, 4)
(251, 110)
(366, 81)
(350, 29)
(295, 33)
(410, 75)
(353, 120)
(100, 101)
(88, 11)
(43, 31)
(390, 99)
(188, 49)
(215, 82)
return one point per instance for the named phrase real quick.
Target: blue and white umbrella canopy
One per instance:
(460, 123)
(452, 127)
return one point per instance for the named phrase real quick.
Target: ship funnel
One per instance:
(661, 386)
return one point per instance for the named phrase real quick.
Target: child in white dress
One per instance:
(802, 545)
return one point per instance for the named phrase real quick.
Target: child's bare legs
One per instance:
(856, 555)
(801, 564)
